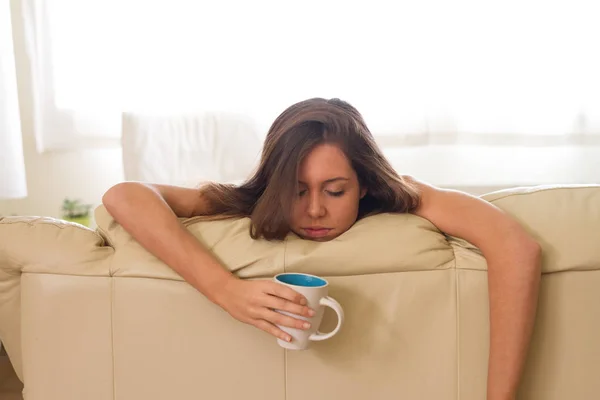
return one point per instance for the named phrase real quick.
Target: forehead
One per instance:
(324, 162)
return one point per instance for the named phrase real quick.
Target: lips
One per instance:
(316, 232)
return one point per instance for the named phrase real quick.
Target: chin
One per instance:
(321, 239)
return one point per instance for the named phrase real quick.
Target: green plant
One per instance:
(75, 209)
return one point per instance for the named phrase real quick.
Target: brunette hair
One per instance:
(267, 196)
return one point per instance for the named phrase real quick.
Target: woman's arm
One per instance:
(514, 270)
(149, 213)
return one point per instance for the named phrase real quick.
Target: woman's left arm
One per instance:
(514, 270)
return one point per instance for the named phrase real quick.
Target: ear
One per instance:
(363, 192)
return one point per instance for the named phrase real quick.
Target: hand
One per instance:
(254, 302)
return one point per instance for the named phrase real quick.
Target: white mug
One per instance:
(315, 290)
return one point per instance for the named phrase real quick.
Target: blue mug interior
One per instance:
(301, 280)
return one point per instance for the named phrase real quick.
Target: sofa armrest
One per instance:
(41, 245)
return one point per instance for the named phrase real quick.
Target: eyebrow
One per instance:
(338, 178)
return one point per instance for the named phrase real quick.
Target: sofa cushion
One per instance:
(227, 239)
(376, 244)
(381, 243)
(565, 219)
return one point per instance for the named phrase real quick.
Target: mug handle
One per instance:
(333, 304)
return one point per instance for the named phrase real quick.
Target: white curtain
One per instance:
(12, 164)
(427, 74)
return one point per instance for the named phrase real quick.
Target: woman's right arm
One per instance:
(149, 213)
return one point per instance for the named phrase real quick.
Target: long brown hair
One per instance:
(267, 196)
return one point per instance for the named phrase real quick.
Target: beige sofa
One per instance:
(90, 315)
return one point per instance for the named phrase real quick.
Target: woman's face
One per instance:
(326, 204)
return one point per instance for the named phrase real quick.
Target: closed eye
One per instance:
(334, 194)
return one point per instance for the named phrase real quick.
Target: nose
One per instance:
(316, 208)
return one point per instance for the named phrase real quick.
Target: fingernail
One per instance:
(311, 312)
(303, 302)
(288, 339)
(306, 325)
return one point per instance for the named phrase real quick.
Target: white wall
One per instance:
(52, 177)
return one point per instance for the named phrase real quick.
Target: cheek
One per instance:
(346, 211)
(298, 210)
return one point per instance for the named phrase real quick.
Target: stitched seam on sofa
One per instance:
(472, 269)
(68, 274)
(40, 221)
(59, 225)
(112, 322)
(112, 334)
(270, 276)
(540, 190)
(575, 269)
(457, 321)
(48, 221)
(564, 271)
(285, 374)
(112, 275)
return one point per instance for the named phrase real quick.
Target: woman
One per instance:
(320, 172)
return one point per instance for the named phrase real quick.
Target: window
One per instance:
(462, 75)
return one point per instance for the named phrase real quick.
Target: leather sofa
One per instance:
(89, 314)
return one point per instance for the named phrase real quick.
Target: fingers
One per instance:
(255, 304)
(284, 292)
(272, 330)
(277, 303)
(284, 320)
(272, 318)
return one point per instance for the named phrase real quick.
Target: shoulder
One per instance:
(184, 201)
(425, 191)
(437, 203)
(471, 218)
